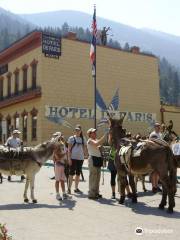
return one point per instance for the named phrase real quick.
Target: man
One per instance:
(14, 142)
(76, 151)
(156, 134)
(95, 163)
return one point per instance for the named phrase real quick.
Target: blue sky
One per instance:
(161, 15)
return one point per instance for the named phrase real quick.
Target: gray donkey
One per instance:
(28, 161)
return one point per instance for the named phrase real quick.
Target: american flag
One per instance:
(93, 43)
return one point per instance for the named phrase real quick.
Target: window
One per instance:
(16, 86)
(24, 125)
(1, 87)
(9, 84)
(34, 113)
(34, 73)
(25, 71)
(8, 125)
(16, 120)
(34, 127)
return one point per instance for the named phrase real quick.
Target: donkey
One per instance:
(26, 161)
(153, 157)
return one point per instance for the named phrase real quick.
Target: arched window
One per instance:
(16, 79)
(8, 125)
(24, 125)
(16, 120)
(34, 73)
(34, 113)
(25, 76)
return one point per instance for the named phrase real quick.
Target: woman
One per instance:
(95, 163)
(76, 151)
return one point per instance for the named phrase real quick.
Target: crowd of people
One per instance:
(78, 149)
(69, 156)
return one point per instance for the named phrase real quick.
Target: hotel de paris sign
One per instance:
(59, 113)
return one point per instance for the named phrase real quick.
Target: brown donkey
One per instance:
(153, 157)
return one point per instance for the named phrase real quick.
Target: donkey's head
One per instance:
(116, 130)
(43, 151)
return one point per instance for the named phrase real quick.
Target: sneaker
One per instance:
(99, 196)
(69, 191)
(154, 190)
(22, 178)
(52, 178)
(130, 195)
(58, 197)
(92, 198)
(113, 196)
(65, 196)
(159, 189)
(78, 191)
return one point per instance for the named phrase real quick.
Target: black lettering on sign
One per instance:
(3, 69)
(51, 46)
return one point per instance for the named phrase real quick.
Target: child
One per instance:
(60, 159)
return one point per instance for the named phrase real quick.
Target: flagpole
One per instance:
(93, 58)
(95, 110)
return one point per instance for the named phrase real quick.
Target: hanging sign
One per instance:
(51, 46)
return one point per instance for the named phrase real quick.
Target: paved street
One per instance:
(81, 218)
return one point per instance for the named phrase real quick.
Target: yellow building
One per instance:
(41, 92)
(169, 112)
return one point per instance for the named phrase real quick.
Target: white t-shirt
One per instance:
(155, 135)
(176, 148)
(13, 142)
(93, 150)
(77, 152)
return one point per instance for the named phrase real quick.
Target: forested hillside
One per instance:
(169, 76)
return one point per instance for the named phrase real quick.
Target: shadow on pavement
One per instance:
(107, 201)
(83, 195)
(70, 204)
(142, 208)
(144, 194)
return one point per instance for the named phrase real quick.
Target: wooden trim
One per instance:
(16, 71)
(22, 98)
(9, 75)
(21, 47)
(34, 62)
(16, 115)
(172, 111)
(24, 113)
(8, 117)
(24, 67)
(34, 112)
